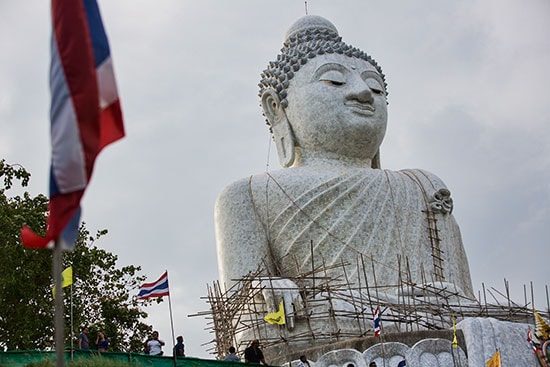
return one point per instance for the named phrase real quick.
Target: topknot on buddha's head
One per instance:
(308, 37)
(309, 22)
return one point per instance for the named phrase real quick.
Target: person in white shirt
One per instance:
(153, 346)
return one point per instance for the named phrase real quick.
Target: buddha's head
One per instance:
(323, 97)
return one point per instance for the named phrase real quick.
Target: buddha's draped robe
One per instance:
(380, 214)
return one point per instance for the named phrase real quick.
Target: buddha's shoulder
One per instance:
(235, 191)
(307, 177)
(313, 175)
(423, 177)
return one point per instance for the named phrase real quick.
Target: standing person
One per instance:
(179, 349)
(153, 345)
(102, 343)
(83, 342)
(303, 362)
(253, 354)
(232, 356)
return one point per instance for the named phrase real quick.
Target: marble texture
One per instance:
(332, 204)
(426, 353)
(484, 335)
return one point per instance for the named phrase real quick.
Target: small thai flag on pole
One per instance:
(85, 114)
(155, 289)
(377, 328)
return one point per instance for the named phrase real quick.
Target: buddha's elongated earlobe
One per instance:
(280, 127)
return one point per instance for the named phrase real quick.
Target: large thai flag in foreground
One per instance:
(85, 114)
(155, 289)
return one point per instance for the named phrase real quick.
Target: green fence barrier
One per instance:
(22, 358)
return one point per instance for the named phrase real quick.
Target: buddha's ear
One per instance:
(280, 126)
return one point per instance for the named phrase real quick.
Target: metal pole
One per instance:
(58, 316)
(72, 326)
(171, 322)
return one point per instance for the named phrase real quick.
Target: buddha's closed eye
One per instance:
(376, 91)
(333, 82)
(333, 77)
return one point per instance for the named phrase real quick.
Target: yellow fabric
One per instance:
(494, 361)
(455, 341)
(276, 318)
(542, 329)
(67, 277)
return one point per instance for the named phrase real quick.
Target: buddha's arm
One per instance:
(240, 239)
(439, 201)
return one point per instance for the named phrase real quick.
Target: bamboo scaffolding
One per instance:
(240, 309)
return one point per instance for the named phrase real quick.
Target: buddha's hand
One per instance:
(273, 291)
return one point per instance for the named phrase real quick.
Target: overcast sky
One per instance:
(468, 100)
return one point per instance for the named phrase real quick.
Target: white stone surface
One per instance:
(389, 354)
(484, 336)
(341, 357)
(436, 353)
(331, 206)
(425, 353)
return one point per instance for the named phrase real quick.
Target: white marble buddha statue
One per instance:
(326, 105)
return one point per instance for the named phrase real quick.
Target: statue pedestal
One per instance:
(478, 339)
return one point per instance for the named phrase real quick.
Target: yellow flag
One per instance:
(66, 278)
(276, 318)
(494, 361)
(455, 341)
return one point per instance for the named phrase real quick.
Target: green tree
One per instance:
(100, 296)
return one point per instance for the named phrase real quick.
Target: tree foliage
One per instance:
(99, 297)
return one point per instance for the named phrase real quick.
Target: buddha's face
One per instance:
(338, 104)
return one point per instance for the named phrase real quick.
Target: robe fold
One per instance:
(359, 217)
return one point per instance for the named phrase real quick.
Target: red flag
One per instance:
(85, 114)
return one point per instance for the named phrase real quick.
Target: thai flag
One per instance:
(403, 363)
(377, 328)
(155, 289)
(85, 114)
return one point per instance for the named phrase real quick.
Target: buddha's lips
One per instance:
(361, 107)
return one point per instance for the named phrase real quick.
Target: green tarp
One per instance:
(24, 357)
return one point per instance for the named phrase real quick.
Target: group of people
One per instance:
(101, 343)
(253, 354)
(153, 346)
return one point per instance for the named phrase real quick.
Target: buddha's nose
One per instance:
(361, 92)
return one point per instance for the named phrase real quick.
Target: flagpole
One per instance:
(172, 325)
(72, 326)
(171, 321)
(382, 340)
(58, 301)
